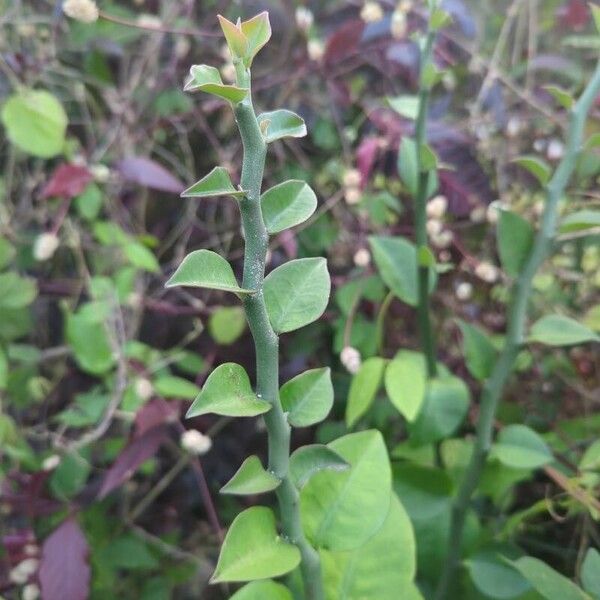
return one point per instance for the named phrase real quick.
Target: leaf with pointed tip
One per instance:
(515, 239)
(287, 204)
(558, 330)
(308, 397)
(536, 166)
(297, 293)
(308, 460)
(582, 219)
(405, 105)
(235, 37)
(251, 478)
(252, 549)
(208, 79)
(480, 354)
(216, 183)
(227, 392)
(408, 169)
(206, 269)
(405, 379)
(263, 590)
(561, 95)
(258, 32)
(363, 389)
(520, 447)
(281, 123)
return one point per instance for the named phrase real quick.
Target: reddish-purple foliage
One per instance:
(343, 42)
(146, 172)
(67, 181)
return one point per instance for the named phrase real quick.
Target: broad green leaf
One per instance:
(128, 552)
(308, 397)
(562, 96)
(596, 14)
(429, 159)
(491, 574)
(297, 293)
(258, 32)
(216, 183)
(141, 257)
(227, 392)
(445, 406)
(208, 79)
(341, 511)
(520, 447)
(395, 258)
(381, 569)
(226, 324)
(536, 166)
(480, 354)
(287, 205)
(408, 169)
(405, 105)
(16, 291)
(363, 389)
(253, 550)
(89, 202)
(590, 573)
(582, 219)
(69, 478)
(548, 582)
(206, 269)
(263, 590)
(35, 122)
(235, 37)
(251, 478)
(281, 123)
(169, 386)
(515, 239)
(308, 460)
(557, 330)
(405, 380)
(7, 252)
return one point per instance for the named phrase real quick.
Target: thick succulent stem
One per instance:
(494, 386)
(266, 341)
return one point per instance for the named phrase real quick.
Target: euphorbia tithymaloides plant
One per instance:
(341, 525)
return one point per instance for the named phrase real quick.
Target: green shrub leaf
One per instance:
(281, 123)
(263, 590)
(206, 269)
(216, 183)
(536, 166)
(297, 293)
(519, 447)
(582, 219)
(515, 239)
(251, 478)
(407, 168)
(308, 397)
(405, 105)
(208, 79)
(308, 460)
(226, 324)
(170, 386)
(558, 330)
(405, 379)
(227, 392)
(235, 37)
(258, 32)
(590, 570)
(480, 354)
(363, 389)
(562, 96)
(287, 204)
(16, 291)
(253, 550)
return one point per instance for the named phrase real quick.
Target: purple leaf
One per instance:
(67, 181)
(366, 155)
(343, 42)
(153, 413)
(138, 451)
(462, 15)
(64, 569)
(148, 173)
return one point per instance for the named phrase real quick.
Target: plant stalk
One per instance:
(266, 341)
(494, 386)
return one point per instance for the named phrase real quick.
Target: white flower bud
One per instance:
(45, 246)
(351, 178)
(315, 50)
(555, 150)
(371, 12)
(464, 290)
(443, 239)
(362, 258)
(194, 442)
(513, 127)
(150, 21)
(304, 18)
(539, 145)
(30, 592)
(436, 207)
(352, 196)
(398, 26)
(182, 47)
(477, 215)
(85, 11)
(491, 213)
(487, 272)
(350, 358)
(434, 227)
(23, 571)
(100, 172)
(51, 462)
(143, 388)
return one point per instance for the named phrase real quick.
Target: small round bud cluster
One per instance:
(436, 210)
(304, 18)
(30, 592)
(487, 272)
(24, 570)
(371, 12)
(351, 359)
(51, 462)
(436, 207)
(45, 246)
(351, 183)
(478, 214)
(555, 149)
(362, 258)
(100, 172)
(315, 49)
(464, 291)
(398, 26)
(143, 388)
(194, 442)
(85, 11)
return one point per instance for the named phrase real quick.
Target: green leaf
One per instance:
(341, 511)
(363, 389)
(226, 324)
(491, 574)
(396, 258)
(141, 257)
(263, 590)
(439, 18)
(405, 105)
(297, 293)
(596, 14)
(308, 460)
(35, 122)
(169, 386)
(208, 79)
(408, 168)
(216, 183)
(70, 476)
(546, 581)
(7, 252)
(405, 379)
(3, 369)
(536, 166)
(429, 159)
(480, 354)
(308, 397)
(281, 123)
(557, 330)
(381, 569)
(287, 205)
(128, 552)
(515, 239)
(16, 291)
(258, 32)
(519, 447)
(446, 405)
(251, 478)
(89, 202)
(590, 572)
(564, 98)
(235, 37)
(252, 549)
(206, 269)
(582, 219)
(227, 392)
